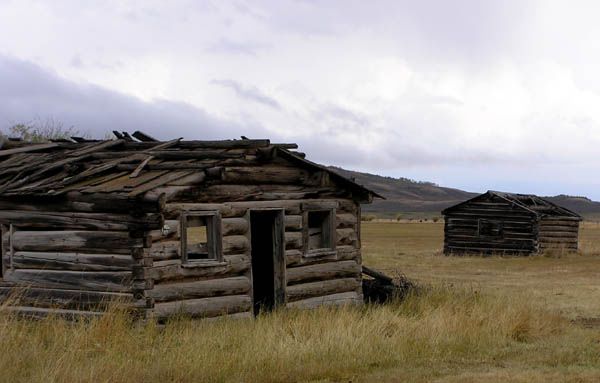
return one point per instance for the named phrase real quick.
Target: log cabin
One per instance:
(508, 223)
(199, 228)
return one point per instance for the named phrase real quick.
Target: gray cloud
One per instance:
(251, 93)
(227, 46)
(29, 92)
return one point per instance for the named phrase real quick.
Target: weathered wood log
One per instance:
(72, 220)
(268, 174)
(495, 215)
(63, 299)
(28, 149)
(346, 236)
(296, 257)
(293, 257)
(345, 220)
(245, 315)
(173, 269)
(376, 274)
(78, 202)
(291, 207)
(200, 289)
(559, 228)
(234, 226)
(118, 281)
(487, 250)
(204, 307)
(235, 244)
(567, 220)
(200, 145)
(73, 241)
(161, 251)
(115, 202)
(173, 210)
(40, 313)
(347, 298)
(293, 222)
(265, 192)
(72, 261)
(557, 234)
(293, 240)
(316, 289)
(323, 271)
(558, 239)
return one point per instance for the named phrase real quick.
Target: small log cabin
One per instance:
(506, 223)
(200, 228)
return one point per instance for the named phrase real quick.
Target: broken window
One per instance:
(320, 230)
(489, 228)
(200, 237)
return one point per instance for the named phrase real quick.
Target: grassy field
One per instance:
(570, 283)
(477, 319)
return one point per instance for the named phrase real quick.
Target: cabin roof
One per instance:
(128, 166)
(529, 202)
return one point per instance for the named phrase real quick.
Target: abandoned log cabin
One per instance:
(203, 228)
(505, 223)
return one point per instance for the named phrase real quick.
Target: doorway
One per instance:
(268, 259)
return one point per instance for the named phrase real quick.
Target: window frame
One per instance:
(331, 227)
(214, 240)
(498, 225)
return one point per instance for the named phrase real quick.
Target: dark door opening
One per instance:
(268, 264)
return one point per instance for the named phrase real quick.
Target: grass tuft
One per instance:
(443, 326)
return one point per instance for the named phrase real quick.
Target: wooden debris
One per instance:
(380, 288)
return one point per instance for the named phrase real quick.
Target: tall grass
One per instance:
(439, 327)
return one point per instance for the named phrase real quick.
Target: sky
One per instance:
(477, 95)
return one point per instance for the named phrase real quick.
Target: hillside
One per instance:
(404, 195)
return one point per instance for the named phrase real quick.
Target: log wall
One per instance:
(70, 262)
(518, 229)
(522, 231)
(561, 233)
(215, 288)
(76, 253)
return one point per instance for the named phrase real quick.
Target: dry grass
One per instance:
(441, 333)
(569, 283)
(478, 322)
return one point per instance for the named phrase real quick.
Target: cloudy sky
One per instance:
(471, 94)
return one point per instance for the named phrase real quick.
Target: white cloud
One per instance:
(424, 89)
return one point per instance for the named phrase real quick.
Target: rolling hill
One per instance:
(418, 198)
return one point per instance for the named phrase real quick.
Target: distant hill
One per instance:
(404, 195)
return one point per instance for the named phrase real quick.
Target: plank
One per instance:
(76, 220)
(111, 242)
(28, 149)
(118, 281)
(323, 271)
(166, 292)
(321, 288)
(204, 307)
(62, 299)
(72, 261)
(347, 298)
(173, 269)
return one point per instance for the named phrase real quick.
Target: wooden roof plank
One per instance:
(124, 183)
(143, 136)
(170, 176)
(141, 166)
(28, 149)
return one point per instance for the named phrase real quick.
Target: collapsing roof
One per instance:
(131, 167)
(529, 202)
